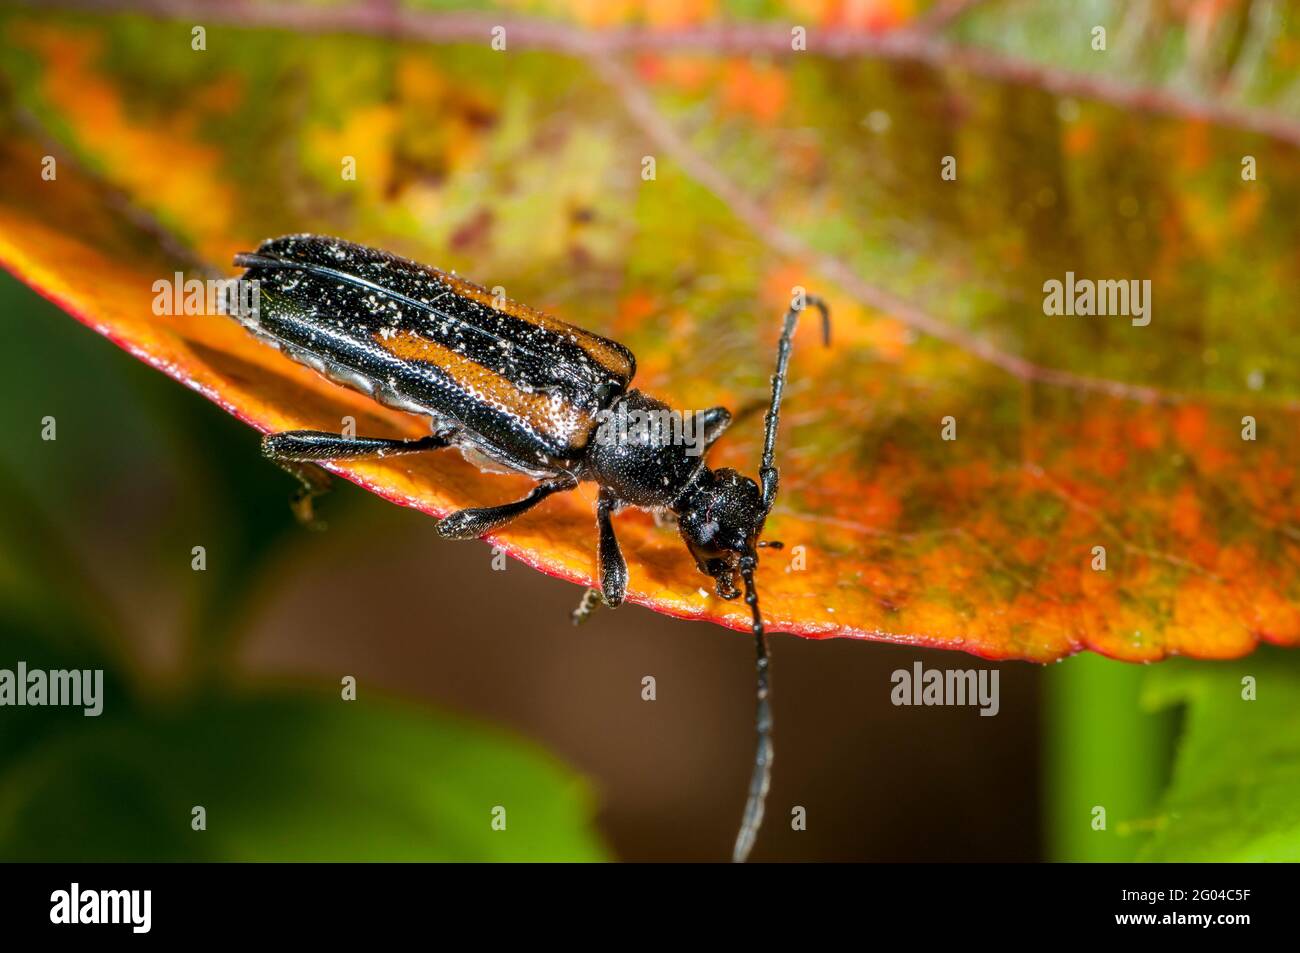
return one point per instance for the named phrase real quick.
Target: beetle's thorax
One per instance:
(638, 450)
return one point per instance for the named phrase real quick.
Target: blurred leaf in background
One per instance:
(290, 777)
(1235, 794)
(1106, 759)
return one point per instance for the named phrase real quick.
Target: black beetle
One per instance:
(515, 389)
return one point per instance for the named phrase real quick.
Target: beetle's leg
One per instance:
(310, 446)
(613, 568)
(298, 451)
(715, 420)
(473, 523)
(589, 604)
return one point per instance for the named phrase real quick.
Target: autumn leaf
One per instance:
(959, 470)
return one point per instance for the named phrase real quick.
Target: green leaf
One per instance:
(1235, 795)
(1102, 749)
(291, 778)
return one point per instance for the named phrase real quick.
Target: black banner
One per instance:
(143, 902)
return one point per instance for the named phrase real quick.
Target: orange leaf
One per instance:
(1097, 492)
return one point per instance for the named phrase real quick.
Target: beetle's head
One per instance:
(721, 521)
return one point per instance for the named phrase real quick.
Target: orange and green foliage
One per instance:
(1165, 452)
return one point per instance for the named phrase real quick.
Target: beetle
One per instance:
(515, 390)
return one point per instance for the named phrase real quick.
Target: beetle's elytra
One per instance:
(513, 389)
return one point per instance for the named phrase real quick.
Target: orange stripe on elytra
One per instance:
(603, 351)
(539, 411)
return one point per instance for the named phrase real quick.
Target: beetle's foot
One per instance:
(479, 521)
(613, 585)
(726, 587)
(591, 600)
(463, 524)
(312, 482)
(302, 504)
(613, 579)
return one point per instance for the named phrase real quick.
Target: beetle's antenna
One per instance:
(767, 474)
(761, 779)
